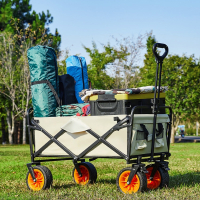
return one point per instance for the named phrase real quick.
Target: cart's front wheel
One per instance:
(43, 177)
(89, 174)
(160, 179)
(138, 183)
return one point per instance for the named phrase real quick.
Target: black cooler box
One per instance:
(116, 104)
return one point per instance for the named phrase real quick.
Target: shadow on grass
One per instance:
(178, 180)
(185, 179)
(107, 181)
(64, 186)
(175, 181)
(99, 181)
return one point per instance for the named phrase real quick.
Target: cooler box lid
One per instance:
(130, 96)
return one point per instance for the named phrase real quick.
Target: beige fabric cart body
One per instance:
(77, 139)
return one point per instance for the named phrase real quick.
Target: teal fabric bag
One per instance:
(44, 80)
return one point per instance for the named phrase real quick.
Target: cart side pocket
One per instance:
(141, 137)
(160, 129)
(159, 140)
(141, 144)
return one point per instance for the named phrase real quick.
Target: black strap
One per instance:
(144, 130)
(160, 129)
(50, 86)
(82, 73)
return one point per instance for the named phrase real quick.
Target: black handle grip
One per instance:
(105, 100)
(102, 108)
(158, 57)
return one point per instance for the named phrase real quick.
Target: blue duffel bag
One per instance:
(77, 68)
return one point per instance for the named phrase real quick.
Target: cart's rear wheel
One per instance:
(89, 174)
(43, 177)
(138, 183)
(93, 171)
(160, 179)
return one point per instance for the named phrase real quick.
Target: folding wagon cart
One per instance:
(134, 137)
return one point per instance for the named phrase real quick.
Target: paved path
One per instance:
(187, 139)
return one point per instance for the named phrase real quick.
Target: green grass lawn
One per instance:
(184, 177)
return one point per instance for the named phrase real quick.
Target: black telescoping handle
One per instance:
(158, 57)
(159, 60)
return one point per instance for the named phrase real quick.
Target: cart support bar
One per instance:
(77, 168)
(54, 140)
(132, 174)
(103, 138)
(30, 169)
(155, 168)
(49, 143)
(134, 170)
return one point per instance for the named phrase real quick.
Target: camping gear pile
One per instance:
(51, 92)
(68, 112)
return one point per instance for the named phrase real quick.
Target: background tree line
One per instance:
(114, 66)
(20, 29)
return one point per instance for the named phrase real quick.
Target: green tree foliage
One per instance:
(99, 60)
(21, 10)
(62, 62)
(181, 75)
(147, 73)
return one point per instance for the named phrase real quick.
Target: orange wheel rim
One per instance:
(133, 187)
(38, 185)
(155, 183)
(85, 175)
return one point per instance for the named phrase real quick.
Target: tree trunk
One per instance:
(8, 119)
(19, 133)
(175, 123)
(11, 125)
(172, 135)
(197, 127)
(15, 133)
(24, 130)
(3, 130)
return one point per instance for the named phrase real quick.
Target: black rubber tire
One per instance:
(48, 178)
(141, 176)
(92, 172)
(164, 176)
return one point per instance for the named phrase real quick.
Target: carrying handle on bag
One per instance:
(158, 57)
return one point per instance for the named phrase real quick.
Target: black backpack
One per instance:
(67, 89)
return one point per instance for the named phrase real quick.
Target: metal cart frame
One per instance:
(158, 158)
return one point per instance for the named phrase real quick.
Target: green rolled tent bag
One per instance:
(44, 80)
